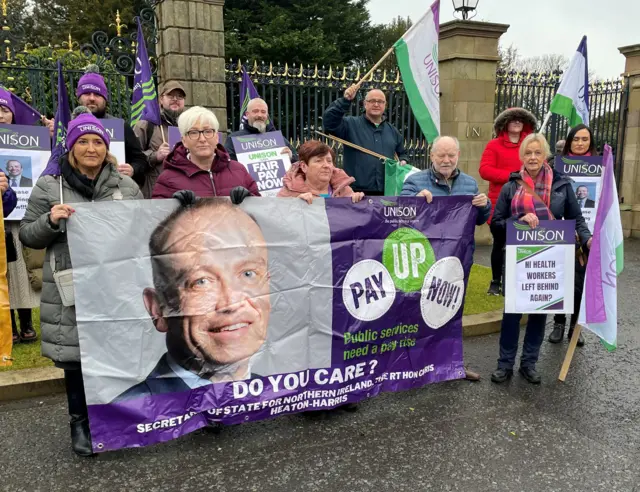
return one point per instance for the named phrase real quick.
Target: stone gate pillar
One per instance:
(630, 176)
(468, 59)
(191, 51)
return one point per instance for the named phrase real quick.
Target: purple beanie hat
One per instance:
(83, 125)
(6, 100)
(92, 82)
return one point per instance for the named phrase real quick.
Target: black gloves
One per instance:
(186, 198)
(238, 194)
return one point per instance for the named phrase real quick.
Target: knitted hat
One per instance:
(92, 81)
(6, 100)
(83, 125)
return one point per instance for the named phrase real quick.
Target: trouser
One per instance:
(25, 319)
(578, 287)
(75, 395)
(510, 335)
(497, 252)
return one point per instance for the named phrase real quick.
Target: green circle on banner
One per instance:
(407, 255)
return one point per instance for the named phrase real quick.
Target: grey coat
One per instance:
(58, 323)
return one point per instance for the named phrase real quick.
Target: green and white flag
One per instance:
(395, 175)
(572, 98)
(417, 54)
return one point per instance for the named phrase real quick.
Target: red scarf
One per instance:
(524, 202)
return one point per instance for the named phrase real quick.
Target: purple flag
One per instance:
(144, 102)
(61, 122)
(23, 114)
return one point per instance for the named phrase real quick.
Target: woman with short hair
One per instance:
(199, 163)
(553, 199)
(315, 175)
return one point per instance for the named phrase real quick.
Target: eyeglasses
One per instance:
(195, 134)
(179, 97)
(379, 102)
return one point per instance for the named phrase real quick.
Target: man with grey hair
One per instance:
(257, 121)
(445, 179)
(371, 131)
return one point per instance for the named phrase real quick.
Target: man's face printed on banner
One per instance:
(218, 262)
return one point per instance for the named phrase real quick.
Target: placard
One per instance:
(263, 157)
(585, 173)
(115, 129)
(24, 153)
(539, 267)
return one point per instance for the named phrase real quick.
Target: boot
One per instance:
(14, 328)
(79, 418)
(495, 289)
(27, 333)
(557, 333)
(580, 337)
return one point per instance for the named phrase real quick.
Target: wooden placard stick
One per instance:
(373, 69)
(570, 351)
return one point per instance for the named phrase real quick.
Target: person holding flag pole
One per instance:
(417, 55)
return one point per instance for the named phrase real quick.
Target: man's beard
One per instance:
(172, 116)
(99, 113)
(261, 126)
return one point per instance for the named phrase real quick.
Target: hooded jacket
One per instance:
(294, 183)
(181, 174)
(58, 322)
(563, 204)
(501, 157)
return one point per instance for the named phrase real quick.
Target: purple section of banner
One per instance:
(579, 166)
(174, 136)
(553, 232)
(21, 137)
(115, 128)
(395, 349)
(257, 143)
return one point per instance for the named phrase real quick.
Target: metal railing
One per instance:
(534, 91)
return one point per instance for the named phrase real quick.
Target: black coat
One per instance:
(563, 205)
(133, 154)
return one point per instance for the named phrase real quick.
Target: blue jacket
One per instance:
(463, 184)
(383, 139)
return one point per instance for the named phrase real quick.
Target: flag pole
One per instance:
(6, 342)
(162, 133)
(545, 122)
(373, 69)
(353, 146)
(570, 351)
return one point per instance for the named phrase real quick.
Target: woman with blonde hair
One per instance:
(535, 193)
(88, 173)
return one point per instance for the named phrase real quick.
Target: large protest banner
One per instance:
(24, 153)
(115, 129)
(235, 314)
(586, 173)
(539, 267)
(262, 156)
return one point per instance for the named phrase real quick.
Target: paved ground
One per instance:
(583, 435)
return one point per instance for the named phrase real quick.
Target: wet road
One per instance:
(582, 435)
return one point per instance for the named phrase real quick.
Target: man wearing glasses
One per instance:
(371, 131)
(172, 96)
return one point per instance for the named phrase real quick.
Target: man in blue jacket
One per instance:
(370, 131)
(445, 179)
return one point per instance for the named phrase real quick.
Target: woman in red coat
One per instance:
(500, 158)
(199, 163)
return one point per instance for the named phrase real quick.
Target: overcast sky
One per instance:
(545, 26)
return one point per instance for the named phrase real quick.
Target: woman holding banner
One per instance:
(579, 143)
(499, 159)
(23, 297)
(89, 172)
(316, 176)
(199, 163)
(533, 194)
